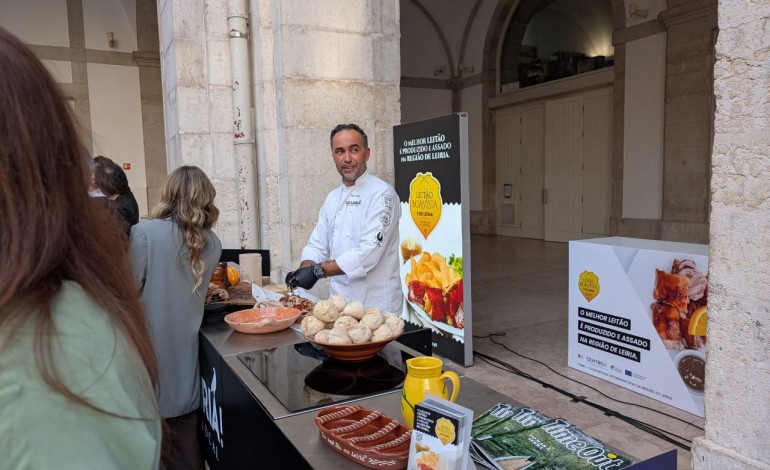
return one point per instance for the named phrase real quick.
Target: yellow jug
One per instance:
(423, 374)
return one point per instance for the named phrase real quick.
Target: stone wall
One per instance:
(197, 101)
(318, 64)
(738, 367)
(315, 64)
(691, 26)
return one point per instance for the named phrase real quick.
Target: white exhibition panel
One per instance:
(611, 331)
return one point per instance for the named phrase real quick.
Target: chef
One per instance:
(355, 242)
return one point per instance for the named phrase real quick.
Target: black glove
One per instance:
(303, 277)
(290, 281)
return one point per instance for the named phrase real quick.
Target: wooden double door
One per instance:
(553, 167)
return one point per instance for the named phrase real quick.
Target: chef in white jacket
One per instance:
(355, 242)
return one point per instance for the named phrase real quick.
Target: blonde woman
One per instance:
(173, 256)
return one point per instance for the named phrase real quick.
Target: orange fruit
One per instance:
(233, 276)
(698, 321)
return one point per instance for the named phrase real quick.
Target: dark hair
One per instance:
(112, 180)
(99, 170)
(352, 127)
(51, 231)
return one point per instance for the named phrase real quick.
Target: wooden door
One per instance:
(563, 165)
(531, 171)
(597, 163)
(507, 136)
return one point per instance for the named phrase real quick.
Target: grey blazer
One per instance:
(174, 312)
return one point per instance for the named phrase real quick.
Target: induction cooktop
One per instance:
(303, 377)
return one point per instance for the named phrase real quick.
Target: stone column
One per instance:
(147, 58)
(738, 368)
(691, 26)
(318, 64)
(197, 101)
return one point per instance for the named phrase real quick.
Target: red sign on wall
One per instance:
(126, 166)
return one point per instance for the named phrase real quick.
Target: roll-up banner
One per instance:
(431, 168)
(637, 316)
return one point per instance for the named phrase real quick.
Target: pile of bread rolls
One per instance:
(337, 321)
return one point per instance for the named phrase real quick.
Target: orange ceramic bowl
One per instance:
(353, 352)
(262, 320)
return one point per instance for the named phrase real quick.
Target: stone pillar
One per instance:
(691, 26)
(197, 101)
(738, 368)
(318, 64)
(147, 58)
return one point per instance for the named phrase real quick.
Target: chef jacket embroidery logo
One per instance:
(588, 283)
(425, 202)
(379, 237)
(385, 218)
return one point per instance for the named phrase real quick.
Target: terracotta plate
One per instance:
(369, 438)
(353, 352)
(262, 320)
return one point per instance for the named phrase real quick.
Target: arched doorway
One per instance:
(506, 32)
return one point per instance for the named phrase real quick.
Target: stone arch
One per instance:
(520, 12)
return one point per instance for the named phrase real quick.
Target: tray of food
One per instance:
(367, 437)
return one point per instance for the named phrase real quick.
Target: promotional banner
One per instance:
(637, 316)
(431, 167)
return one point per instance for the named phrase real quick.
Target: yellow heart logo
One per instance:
(588, 283)
(425, 202)
(445, 431)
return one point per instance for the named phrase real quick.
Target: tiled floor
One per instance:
(519, 287)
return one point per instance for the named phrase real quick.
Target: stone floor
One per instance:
(520, 289)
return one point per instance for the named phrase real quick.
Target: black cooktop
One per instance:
(303, 377)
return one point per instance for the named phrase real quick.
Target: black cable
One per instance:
(658, 432)
(502, 333)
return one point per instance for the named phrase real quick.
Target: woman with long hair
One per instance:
(77, 371)
(173, 256)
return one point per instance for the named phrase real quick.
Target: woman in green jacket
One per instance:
(77, 370)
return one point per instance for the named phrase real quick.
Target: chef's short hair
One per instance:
(352, 127)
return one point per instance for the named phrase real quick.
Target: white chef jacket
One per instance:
(358, 228)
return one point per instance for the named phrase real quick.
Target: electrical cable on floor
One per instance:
(491, 338)
(658, 432)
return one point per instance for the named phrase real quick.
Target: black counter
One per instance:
(246, 426)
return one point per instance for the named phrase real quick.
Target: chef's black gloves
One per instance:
(303, 277)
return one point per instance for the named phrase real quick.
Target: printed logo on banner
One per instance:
(212, 411)
(425, 202)
(588, 283)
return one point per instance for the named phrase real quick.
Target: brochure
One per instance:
(441, 435)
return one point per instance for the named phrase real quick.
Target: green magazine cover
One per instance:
(507, 437)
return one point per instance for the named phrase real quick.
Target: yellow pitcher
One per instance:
(423, 374)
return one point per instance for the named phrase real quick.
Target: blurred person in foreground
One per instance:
(355, 241)
(112, 181)
(77, 371)
(173, 256)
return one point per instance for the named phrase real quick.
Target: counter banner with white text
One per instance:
(431, 169)
(637, 316)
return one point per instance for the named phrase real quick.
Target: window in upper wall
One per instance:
(560, 39)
